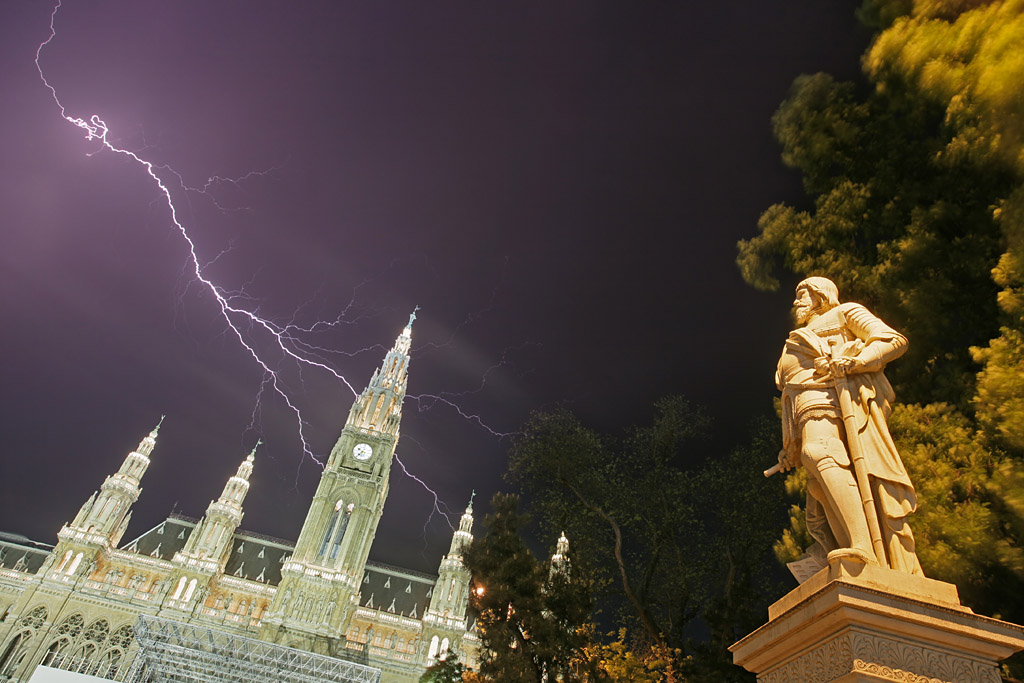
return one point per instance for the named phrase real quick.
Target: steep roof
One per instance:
(19, 552)
(398, 591)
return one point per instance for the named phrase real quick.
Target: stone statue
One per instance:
(835, 403)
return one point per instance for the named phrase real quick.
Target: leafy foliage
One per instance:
(917, 192)
(533, 621)
(677, 540)
(448, 671)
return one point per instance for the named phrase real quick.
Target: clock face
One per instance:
(362, 451)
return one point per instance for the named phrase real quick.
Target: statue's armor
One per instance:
(853, 328)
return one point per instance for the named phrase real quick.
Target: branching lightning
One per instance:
(239, 311)
(437, 501)
(233, 315)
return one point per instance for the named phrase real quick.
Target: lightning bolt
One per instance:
(239, 311)
(437, 501)
(236, 318)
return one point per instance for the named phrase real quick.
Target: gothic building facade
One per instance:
(72, 606)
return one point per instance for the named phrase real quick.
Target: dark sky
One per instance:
(560, 187)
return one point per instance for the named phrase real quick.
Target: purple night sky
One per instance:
(559, 186)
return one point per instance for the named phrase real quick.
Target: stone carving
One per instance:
(885, 659)
(835, 403)
(826, 663)
(899, 661)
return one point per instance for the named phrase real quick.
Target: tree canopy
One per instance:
(915, 182)
(676, 535)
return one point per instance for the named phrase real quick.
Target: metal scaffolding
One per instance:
(176, 652)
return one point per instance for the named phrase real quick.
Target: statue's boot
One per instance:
(848, 513)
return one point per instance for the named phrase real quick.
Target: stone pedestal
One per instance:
(852, 623)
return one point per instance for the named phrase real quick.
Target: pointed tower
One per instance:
(451, 591)
(326, 566)
(208, 544)
(105, 515)
(102, 520)
(444, 623)
(560, 560)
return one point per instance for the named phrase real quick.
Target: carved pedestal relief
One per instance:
(885, 659)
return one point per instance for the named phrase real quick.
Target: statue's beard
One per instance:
(802, 314)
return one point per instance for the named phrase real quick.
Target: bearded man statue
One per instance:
(835, 405)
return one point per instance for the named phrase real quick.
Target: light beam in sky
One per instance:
(238, 310)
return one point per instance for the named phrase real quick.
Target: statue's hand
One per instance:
(848, 366)
(788, 460)
(838, 368)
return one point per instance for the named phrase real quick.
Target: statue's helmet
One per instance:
(824, 289)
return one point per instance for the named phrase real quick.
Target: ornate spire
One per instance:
(560, 560)
(379, 407)
(238, 485)
(207, 545)
(105, 515)
(464, 536)
(147, 444)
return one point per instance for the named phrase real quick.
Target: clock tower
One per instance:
(320, 580)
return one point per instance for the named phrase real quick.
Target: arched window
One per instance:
(64, 562)
(82, 657)
(117, 644)
(14, 653)
(181, 586)
(339, 533)
(108, 664)
(444, 650)
(329, 531)
(191, 589)
(122, 637)
(335, 531)
(433, 648)
(74, 565)
(35, 618)
(97, 632)
(67, 631)
(56, 649)
(71, 626)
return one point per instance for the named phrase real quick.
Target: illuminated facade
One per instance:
(73, 606)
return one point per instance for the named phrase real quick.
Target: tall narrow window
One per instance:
(433, 648)
(67, 556)
(74, 565)
(339, 534)
(444, 650)
(181, 587)
(329, 531)
(190, 590)
(13, 655)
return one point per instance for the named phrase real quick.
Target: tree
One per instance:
(533, 620)
(917, 192)
(677, 537)
(448, 671)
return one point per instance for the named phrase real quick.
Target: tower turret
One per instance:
(103, 517)
(379, 407)
(330, 554)
(208, 544)
(451, 591)
(560, 560)
(102, 520)
(444, 623)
